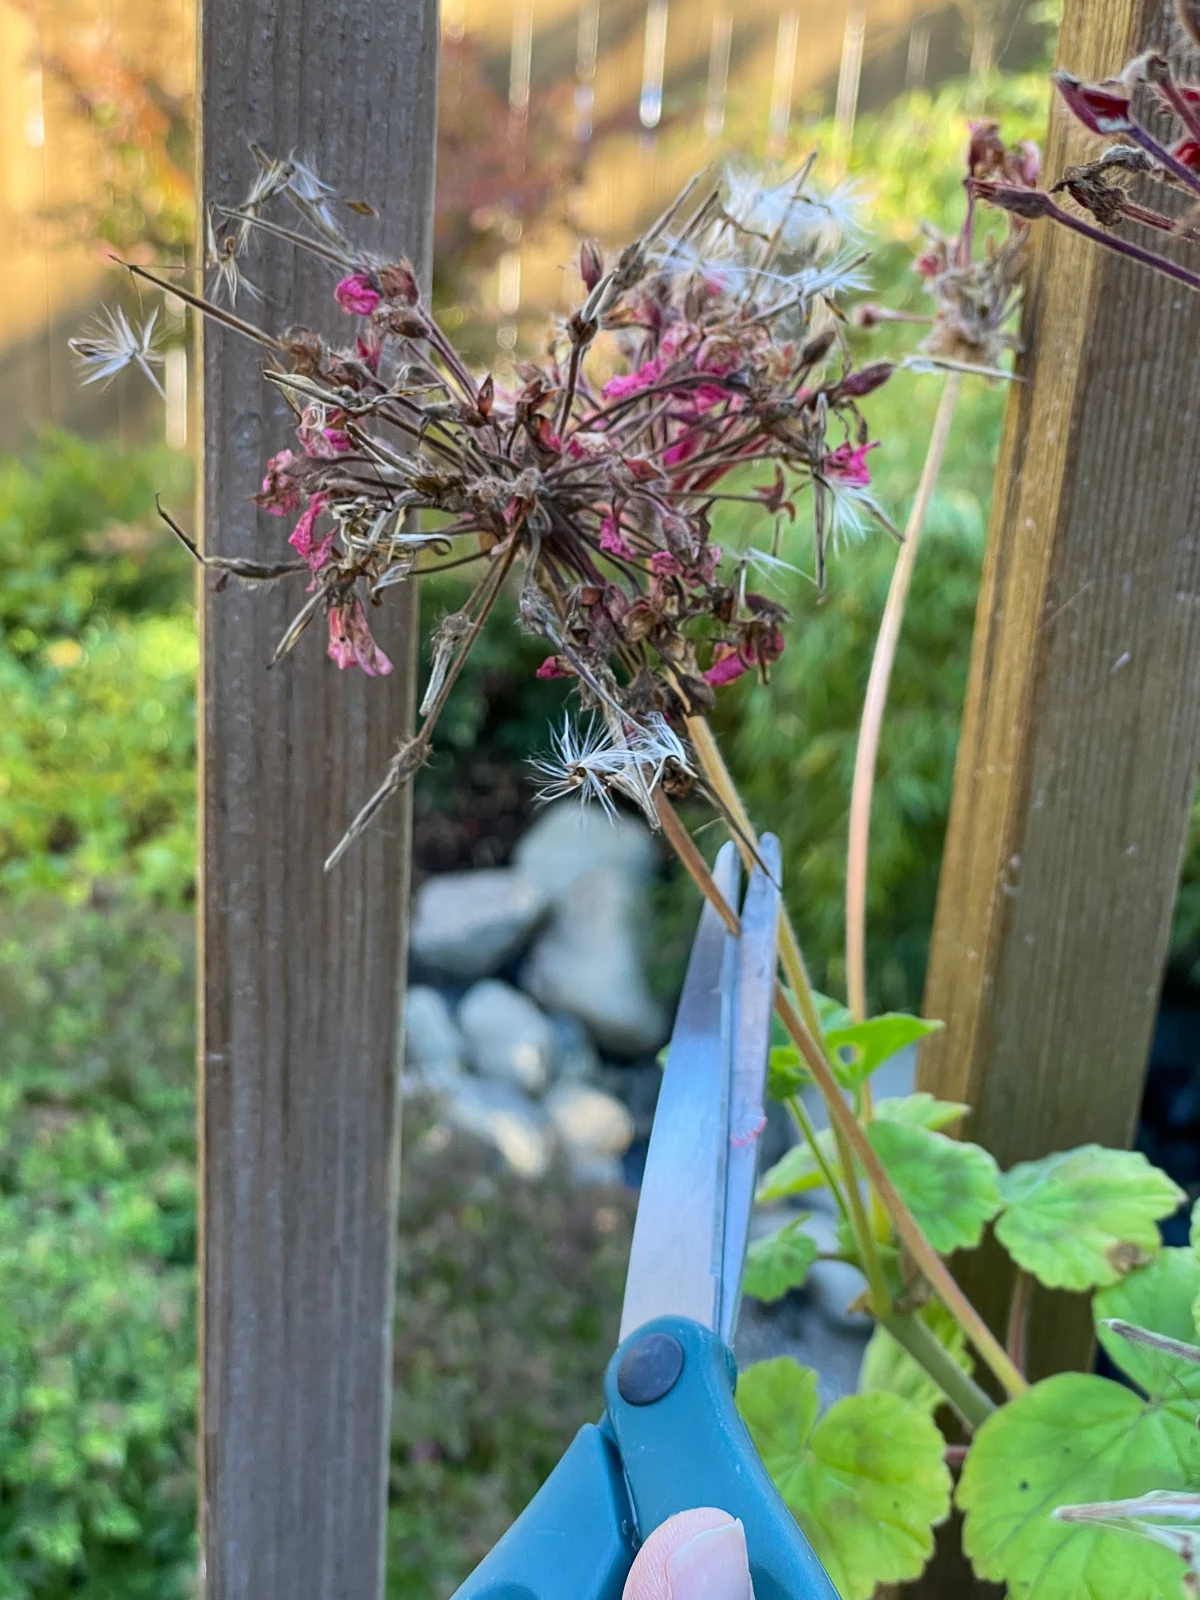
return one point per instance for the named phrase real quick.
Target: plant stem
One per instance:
(804, 1122)
(960, 1389)
(1016, 1335)
(934, 1268)
(867, 754)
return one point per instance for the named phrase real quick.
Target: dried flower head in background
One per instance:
(1118, 109)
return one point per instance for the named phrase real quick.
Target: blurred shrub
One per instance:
(97, 1242)
(97, 672)
(508, 1293)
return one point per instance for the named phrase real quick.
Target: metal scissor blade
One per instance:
(755, 1001)
(676, 1261)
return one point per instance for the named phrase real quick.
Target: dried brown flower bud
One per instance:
(591, 265)
(398, 282)
(865, 381)
(817, 349)
(408, 324)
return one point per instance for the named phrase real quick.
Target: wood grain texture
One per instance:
(300, 987)
(1081, 733)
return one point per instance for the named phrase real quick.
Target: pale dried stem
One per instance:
(867, 754)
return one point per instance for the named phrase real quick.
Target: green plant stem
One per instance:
(803, 1121)
(927, 1259)
(874, 703)
(960, 1389)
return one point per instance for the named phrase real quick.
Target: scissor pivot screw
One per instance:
(649, 1369)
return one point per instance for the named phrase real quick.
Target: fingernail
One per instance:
(712, 1566)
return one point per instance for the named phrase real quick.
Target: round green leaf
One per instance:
(950, 1186)
(1158, 1296)
(887, 1365)
(860, 1048)
(1083, 1217)
(1071, 1439)
(867, 1483)
(779, 1262)
(921, 1109)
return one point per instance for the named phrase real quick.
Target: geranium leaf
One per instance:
(797, 1171)
(830, 1013)
(951, 1187)
(786, 1072)
(1073, 1438)
(921, 1109)
(867, 1483)
(886, 1365)
(859, 1048)
(1077, 1438)
(1158, 1296)
(779, 1262)
(1084, 1217)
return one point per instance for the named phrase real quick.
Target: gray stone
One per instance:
(504, 1118)
(467, 924)
(588, 1121)
(576, 1058)
(434, 1048)
(587, 963)
(600, 1171)
(569, 840)
(508, 1038)
(637, 1088)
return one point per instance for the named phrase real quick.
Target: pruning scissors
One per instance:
(671, 1438)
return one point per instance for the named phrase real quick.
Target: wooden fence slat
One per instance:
(1081, 734)
(301, 974)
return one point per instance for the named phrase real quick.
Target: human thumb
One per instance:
(697, 1555)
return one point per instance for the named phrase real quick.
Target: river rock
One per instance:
(587, 963)
(576, 1059)
(434, 1048)
(467, 924)
(569, 840)
(504, 1118)
(588, 1121)
(508, 1038)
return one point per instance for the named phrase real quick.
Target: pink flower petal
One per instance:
(357, 294)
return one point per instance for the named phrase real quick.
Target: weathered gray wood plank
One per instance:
(300, 991)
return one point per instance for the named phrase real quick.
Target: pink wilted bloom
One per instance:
(1187, 152)
(1101, 107)
(727, 665)
(303, 536)
(623, 385)
(279, 491)
(552, 667)
(664, 565)
(612, 541)
(350, 640)
(682, 450)
(848, 466)
(357, 294)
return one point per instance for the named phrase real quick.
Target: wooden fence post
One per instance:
(1081, 734)
(301, 974)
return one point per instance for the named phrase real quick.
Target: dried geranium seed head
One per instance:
(1029, 203)
(1102, 107)
(817, 349)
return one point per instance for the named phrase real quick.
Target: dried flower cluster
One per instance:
(707, 363)
(1114, 109)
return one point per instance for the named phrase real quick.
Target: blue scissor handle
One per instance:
(679, 1443)
(573, 1541)
(689, 1447)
